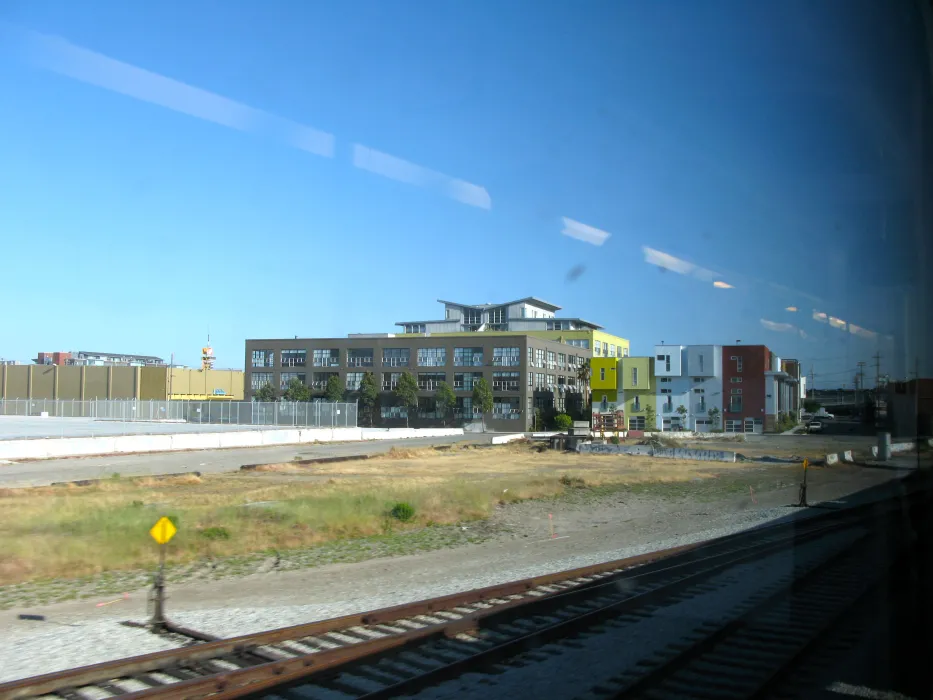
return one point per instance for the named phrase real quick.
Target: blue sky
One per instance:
(765, 146)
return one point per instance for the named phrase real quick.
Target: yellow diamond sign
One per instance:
(163, 530)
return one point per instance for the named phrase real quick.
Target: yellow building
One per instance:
(604, 384)
(88, 382)
(637, 387)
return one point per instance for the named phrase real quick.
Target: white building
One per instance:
(689, 385)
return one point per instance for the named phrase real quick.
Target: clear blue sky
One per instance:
(768, 143)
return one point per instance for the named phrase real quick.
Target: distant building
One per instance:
(910, 408)
(529, 315)
(87, 358)
(80, 383)
(757, 388)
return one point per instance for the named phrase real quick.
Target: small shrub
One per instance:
(215, 533)
(137, 504)
(403, 512)
(614, 440)
(572, 482)
(563, 422)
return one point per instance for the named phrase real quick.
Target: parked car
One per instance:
(814, 426)
(827, 416)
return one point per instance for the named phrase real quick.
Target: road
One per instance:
(44, 472)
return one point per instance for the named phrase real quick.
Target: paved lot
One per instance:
(44, 472)
(17, 427)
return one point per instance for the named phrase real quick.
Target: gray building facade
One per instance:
(524, 373)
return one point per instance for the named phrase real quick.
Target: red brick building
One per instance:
(743, 387)
(52, 358)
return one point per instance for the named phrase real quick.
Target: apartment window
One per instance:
(667, 363)
(699, 391)
(735, 380)
(602, 374)
(362, 357)
(665, 380)
(531, 357)
(319, 379)
(325, 358)
(531, 379)
(700, 360)
(257, 380)
(294, 358)
(636, 404)
(464, 407)
(506, 357)
(506, 409)
(697, 380)
(414, 327)
(390, 380)
(263, 358)
(539, 379)
(428, 381)
(736, 391)
(396, 357)
(497, 315)
(579, 343)
(735, 404)
(636, 423)
(634, 376)
(551, 360)
(468, 357)
(701, 407)
(472, 317)
(561, 360)
(353, 380)
(427, 408)
(286, 377)
(597, 347)
(738, 363)
(612, 351)
(505, 381)
(464, 380)
(665, 391)
(539, 357)
(551, 381)
(393, 411)
(432, 357)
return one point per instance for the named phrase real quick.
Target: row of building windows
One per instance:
(502, 409)
(426, 357)
(427, 381)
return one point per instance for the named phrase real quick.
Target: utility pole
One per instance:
(859, 384)
(877, 401)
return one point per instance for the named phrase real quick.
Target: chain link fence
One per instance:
(317, 414)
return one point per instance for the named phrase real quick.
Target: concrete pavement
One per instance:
(44, 472)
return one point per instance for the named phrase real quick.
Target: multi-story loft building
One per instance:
(689, 387)
(529, 315)
(524, 372)
(756, 389)
(87, 358)
(637, 388)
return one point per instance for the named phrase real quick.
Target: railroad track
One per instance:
(383, 652)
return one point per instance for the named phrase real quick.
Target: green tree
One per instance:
(444, 399)
(649, 418)
(369, 394)
(334, 390)
(482, 399)
(406, 393)
(563, 422)
(811, 405)
(583, 376)
(296, 390)
(713, 414)
(682, 412)
(265, 393)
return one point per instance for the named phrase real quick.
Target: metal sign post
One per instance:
(162, 532)
(803, 487)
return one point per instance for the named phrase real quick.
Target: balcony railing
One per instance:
(463, 386)
(667, 408)
(327, 362)
(292, 362)
(506, 361)
(389, 386)
(505, 385)
(508, 414)
(473, 361)
(360, 361)
(428, 385)
(395, 362)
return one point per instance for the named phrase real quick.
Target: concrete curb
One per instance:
(502, 439)
(306, 462)
(53, 448)
(90, 482)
